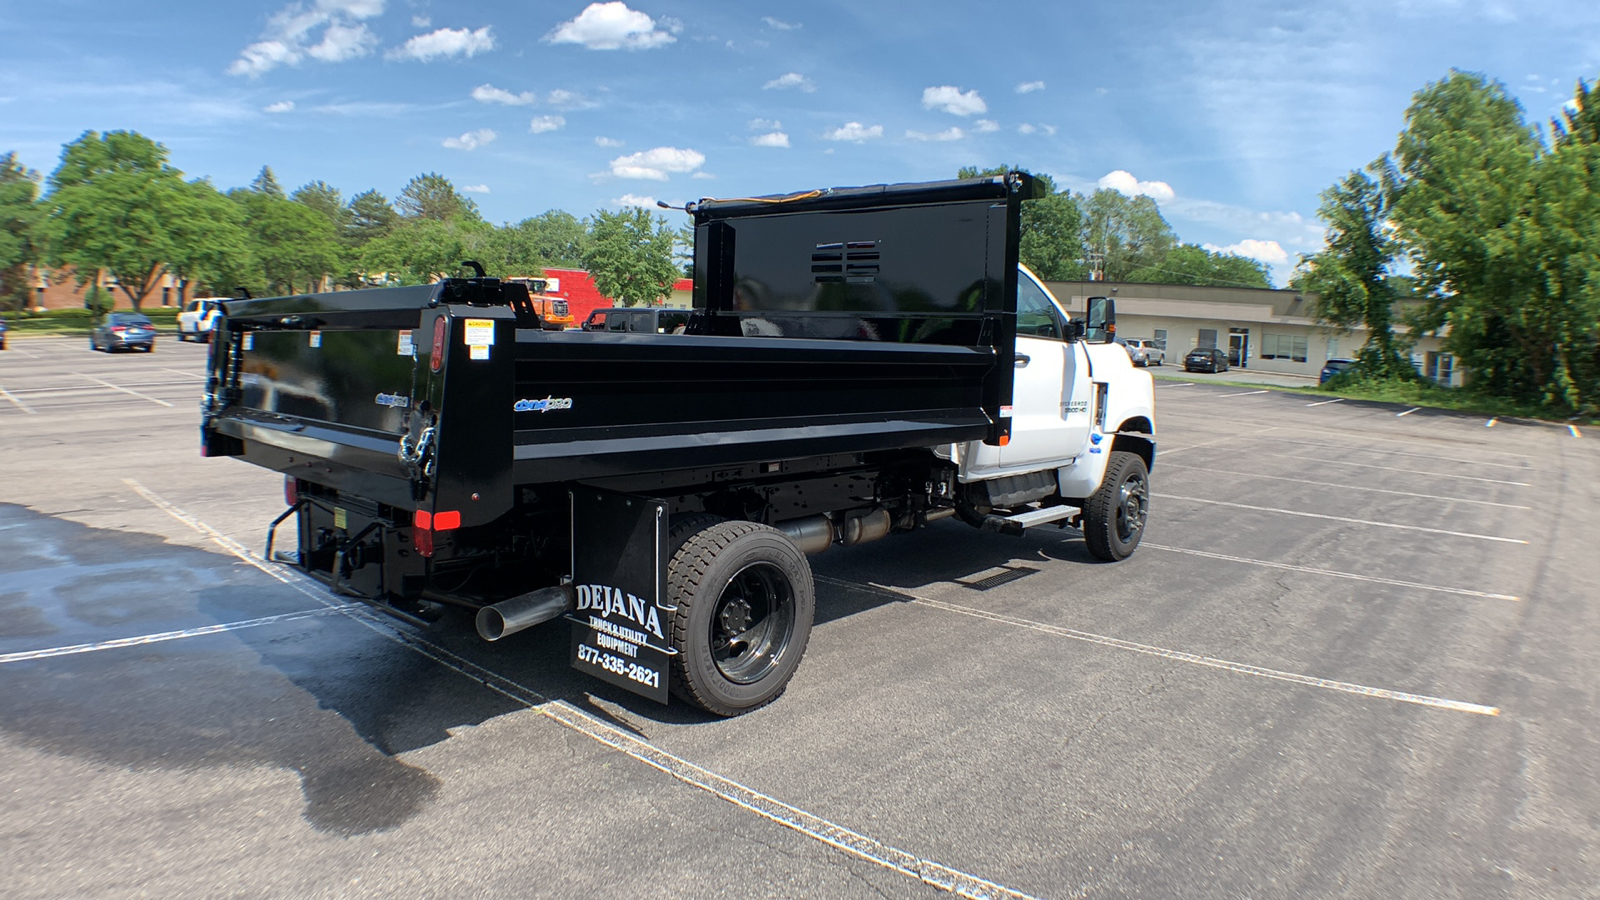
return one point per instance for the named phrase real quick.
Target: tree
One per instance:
(290, 242)
(211, 247)
(421, 251)
(556, 237)
(267, 183)
(432, 196)
(111, 209)
(1194, 264)
(370, 217)
(19, 214)
(325, 199)
(1052, 226)
(1123, 234)
(1352, 276)
(630, 256)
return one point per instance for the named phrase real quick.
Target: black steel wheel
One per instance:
(745, 603)
(1114, 517)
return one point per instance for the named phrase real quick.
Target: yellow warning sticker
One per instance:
(341, 519)
(478, 332)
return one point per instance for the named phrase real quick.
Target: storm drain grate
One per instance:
(993, 578)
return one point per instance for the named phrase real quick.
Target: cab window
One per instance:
(616, 321)
(1036, 315)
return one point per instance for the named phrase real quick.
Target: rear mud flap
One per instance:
(619, 568)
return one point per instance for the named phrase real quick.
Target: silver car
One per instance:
(1153, 354)
(1135, 352)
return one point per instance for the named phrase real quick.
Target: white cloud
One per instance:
(1124, 183)
(488, 93)
(1026, 128)
(636, 200)
(653, 165)
(421, 22)
(561, 99)
(1269, 252)
(603, 141)
(790, 80)
(342, 42)
(950, 134)
(1028, 87)
(985, 125)
(475, 189)
(779, 24)
(445, 42)
(853, 131)
(765, 124)
(541, 124)
(611, 26)
(703, 176)
(770, 139)
(288, 37)
(472, 140)
(953, 101)
(282, 106)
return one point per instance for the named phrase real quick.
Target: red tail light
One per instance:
(422, 533)
(291, 491)
(118, 329)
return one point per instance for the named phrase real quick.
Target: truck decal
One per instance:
(545, 405)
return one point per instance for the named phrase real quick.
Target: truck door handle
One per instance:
(1023, 359)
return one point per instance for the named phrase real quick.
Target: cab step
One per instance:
(1016, 524)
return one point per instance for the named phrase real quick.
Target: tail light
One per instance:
(291, 491)
(425, 524)
(118, 329)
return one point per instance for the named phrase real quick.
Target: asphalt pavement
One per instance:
(1356, 655)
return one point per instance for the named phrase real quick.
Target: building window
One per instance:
(1283, 346)
(1439, 367)
(1208, 338)
(1161, 338)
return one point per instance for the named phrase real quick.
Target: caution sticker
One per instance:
(478, 333)
(406, 347)
(249, 341)
(316, 338)
(341, 519)
(478, 351)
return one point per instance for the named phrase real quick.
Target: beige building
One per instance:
(1263, 330)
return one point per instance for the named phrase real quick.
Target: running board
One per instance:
(1014, 525)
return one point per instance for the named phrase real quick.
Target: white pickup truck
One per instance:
(197, 318)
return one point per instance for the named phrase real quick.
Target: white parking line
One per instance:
(1331, 573)
(159, 637)
(20, 405)
(1326, 402)
(1433, 457)
(76, 389)
(1409, 411)
(1340, 462)
(1180, 656)
(184, 374)
(1349, 487)
(1171, 412)
(122, 389)
(792, 817)
(1244, 394)
(1183, 384)
(1311, 515)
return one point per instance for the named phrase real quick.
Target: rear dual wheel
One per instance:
(745, 603)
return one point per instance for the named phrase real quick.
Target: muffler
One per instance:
(524, 611)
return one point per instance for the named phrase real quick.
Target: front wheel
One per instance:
(745, 604)
(1114, 516)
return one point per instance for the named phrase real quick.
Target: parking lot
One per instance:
(1356, 655)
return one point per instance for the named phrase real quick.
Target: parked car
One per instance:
(1153, 354)
(649, 320)
(1205, 359)
(197, 317)
(123, 331)
(1136, 353)
(1334, 367)
(2, 333)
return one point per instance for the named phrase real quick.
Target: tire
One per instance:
(744, 580)
(1115, 515)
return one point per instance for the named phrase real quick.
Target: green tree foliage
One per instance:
(1194, 264)
(325, 199)
(111, 209)
(630, 256)
(1125, 233)
(432, 196)
(370, 217)
(556, 238)
(19, 214)
(291, 243)
(267, 183)
(424, 250)
(1352, 276)
(211, 249)
(1052, 227)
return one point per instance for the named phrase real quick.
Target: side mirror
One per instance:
(1102, 322)
(1075, 329)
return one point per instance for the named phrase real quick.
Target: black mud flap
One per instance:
(619, 570)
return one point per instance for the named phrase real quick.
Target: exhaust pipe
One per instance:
(812, 534)
(523, 611)
(867, 527)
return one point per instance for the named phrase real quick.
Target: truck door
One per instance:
(1050, 395)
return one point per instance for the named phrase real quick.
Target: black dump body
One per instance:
(833, 322)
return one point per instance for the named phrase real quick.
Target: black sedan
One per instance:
(1205, 359)
(123, 331)
(1334, 367)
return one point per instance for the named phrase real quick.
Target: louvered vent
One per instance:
(850, 262)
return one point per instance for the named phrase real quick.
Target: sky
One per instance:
(1234, 116)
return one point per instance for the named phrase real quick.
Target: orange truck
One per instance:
(552, 310)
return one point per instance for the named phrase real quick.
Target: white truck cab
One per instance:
(197, 318)
(1082, 428)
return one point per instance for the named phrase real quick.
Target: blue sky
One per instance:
(1233, 116)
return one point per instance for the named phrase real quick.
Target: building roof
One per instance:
(1193, 301)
